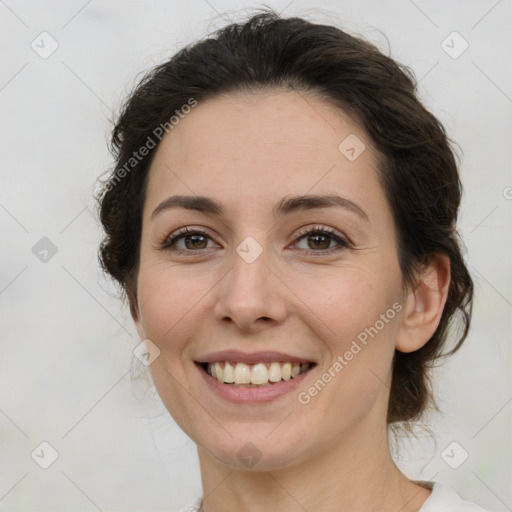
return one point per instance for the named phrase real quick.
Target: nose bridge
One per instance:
(249, 280)
(250, 291)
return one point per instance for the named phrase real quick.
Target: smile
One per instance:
(255, 375)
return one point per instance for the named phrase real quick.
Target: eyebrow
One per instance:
(285, 207)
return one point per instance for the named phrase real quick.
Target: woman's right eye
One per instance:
(193, 240)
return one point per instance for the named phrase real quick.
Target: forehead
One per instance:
(264, 145)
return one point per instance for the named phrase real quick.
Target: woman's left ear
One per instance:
(424, 305)
(134, 312)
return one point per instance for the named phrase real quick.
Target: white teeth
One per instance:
(286, 371)
(260, 374)
(217, 369)
(242, 374)
(229, 373)
(274, 372)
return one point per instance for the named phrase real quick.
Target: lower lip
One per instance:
(241, 395)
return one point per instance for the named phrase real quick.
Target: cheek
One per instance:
(359, 348)
(353, 309)
(343, 299)
(167, 301)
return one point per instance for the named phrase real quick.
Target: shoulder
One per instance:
(446, 499)
(442, 499)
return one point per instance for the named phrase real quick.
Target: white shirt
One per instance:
(442, 499)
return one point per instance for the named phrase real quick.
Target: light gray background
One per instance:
(66, 342)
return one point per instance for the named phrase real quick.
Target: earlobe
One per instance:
(424, 305)
(134, 312)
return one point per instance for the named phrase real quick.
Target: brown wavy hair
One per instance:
(418, 168)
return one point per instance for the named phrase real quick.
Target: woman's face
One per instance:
(253, 288)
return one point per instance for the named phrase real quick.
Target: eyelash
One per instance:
(303, 232)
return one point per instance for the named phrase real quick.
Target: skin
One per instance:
(248, 151)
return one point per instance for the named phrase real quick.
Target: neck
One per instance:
(358, 474)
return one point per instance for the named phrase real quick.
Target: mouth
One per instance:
(252, 378)
(258, 375)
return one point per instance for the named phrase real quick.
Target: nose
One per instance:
(251, 295)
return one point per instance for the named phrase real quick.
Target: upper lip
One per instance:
(267, 356)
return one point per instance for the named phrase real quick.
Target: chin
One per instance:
(249, 450)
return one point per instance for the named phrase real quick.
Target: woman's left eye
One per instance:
(318, 239)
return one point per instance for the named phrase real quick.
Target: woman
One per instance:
(282, 218)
